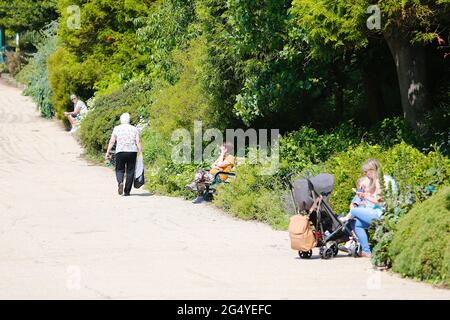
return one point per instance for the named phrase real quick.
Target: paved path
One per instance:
(66, 234)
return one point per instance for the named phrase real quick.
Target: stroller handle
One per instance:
(287, 178)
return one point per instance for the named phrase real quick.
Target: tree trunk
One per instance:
(372, 87)
(411, 72)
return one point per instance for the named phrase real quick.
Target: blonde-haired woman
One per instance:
(362, 216)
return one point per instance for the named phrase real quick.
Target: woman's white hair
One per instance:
(125, 118)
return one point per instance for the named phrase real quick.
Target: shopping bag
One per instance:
(139, 179)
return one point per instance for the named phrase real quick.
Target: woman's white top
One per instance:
(83, 109)
(126, 138)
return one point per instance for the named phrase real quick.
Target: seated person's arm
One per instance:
(222, 164)
(374, 198)
(219, 160)
(76, 111)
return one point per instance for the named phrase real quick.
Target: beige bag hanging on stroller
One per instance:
(302, 237)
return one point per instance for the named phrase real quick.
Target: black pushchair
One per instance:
(310, 197)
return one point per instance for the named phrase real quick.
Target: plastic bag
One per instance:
(139, 179)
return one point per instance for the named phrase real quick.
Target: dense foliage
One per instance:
(98, 56)
(20, 15)
(420, 247)
(35, 74)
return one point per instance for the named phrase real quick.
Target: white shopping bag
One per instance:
(139, 179)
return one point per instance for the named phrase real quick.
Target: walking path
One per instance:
(66, 234)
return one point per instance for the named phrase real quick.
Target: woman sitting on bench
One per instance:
(371, 205)
(224, 163)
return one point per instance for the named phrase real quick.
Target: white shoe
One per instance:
(349, 244)
(346, 218)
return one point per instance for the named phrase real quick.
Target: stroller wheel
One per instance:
(335, 249)
(355, 250)
(305, 254)
(326, 253)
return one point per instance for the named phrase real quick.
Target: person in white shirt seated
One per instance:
(79, 111)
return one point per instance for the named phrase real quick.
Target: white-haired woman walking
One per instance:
(128, 145)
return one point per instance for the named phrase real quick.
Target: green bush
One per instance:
(168, 28)
(179, 105)
(421, 246)
(166, 177)
(437, 121)
(251, 196)
(3, 68)
(97, 127)
(35, 74)
(101, 55)
(67, 75)
(412, 170)
(346, 168)
(415, 174)
(163, 175)
(306, 146)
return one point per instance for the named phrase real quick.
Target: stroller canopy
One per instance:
(321, 184)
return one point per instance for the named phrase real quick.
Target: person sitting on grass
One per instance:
(225, 162)
(79, 111)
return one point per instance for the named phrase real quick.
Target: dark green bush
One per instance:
(301, 148)
(438, 131)
(421, 246)
(97, 127)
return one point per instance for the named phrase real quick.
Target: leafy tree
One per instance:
(408, 26)
(220, 78)
(106, 33)
(332, 27)
(23, 15)
(252, 74)
(169, 27)
(101, 54)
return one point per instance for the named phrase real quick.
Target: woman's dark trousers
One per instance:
(126, 160)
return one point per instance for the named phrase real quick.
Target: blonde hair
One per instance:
(361, 183)
(372, 164)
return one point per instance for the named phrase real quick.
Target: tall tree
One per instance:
(340, 25)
